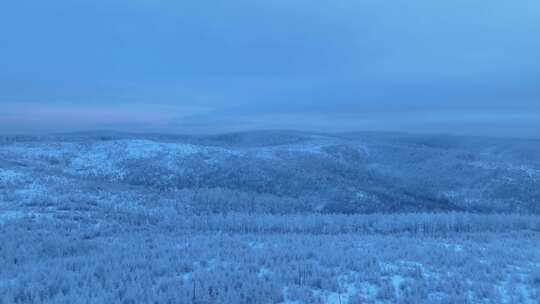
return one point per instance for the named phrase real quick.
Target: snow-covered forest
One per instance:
(269, 217)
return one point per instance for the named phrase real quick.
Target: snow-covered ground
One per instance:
(9, 176)
(73, 229)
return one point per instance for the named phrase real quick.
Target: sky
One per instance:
(459, 67)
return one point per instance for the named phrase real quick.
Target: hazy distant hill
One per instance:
(280, 171)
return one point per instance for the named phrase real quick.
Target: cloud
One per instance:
(45, 117)
(249, 63)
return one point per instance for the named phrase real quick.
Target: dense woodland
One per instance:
(289, 172)
(269, 217)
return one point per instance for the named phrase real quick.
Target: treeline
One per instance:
(416, 224)
(9, 139)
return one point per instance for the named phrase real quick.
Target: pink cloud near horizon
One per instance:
(23, 117)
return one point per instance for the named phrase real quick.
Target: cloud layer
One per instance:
(454, 67)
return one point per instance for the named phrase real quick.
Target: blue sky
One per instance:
(459, 67)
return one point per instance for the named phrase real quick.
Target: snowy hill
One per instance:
(287, 171)
(268, 217)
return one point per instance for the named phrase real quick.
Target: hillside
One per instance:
(275, 172)
(268, 217)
